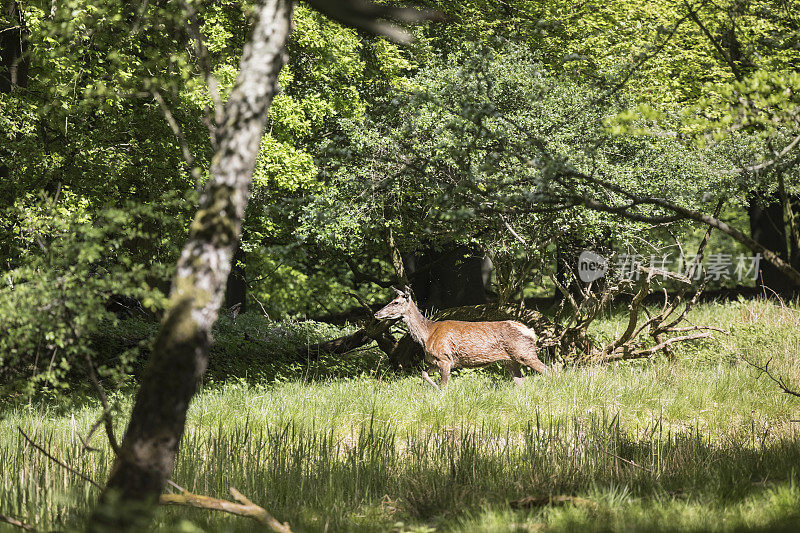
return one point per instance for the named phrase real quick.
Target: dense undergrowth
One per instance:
(698, 443)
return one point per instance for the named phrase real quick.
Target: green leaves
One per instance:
(75, 269)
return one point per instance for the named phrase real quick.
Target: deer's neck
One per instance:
(418, 325)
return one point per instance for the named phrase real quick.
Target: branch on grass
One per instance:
(780, 381)
(650, 351)
(243, 507)
(628, 461)
(16, 523)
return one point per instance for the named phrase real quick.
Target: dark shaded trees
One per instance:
(13, 48)
(13, 59)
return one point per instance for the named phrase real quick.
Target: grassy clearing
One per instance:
(694, 444)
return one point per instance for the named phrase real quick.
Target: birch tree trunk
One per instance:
(180, 352)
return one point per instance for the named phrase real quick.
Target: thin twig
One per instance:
(628, 461)
(58, 462)
(778, 380)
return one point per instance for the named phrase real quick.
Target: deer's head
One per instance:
(398, 307)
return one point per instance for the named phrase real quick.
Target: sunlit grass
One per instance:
(697, 443)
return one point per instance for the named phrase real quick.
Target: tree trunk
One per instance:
(13, 62)
(236, 289)
(768, 228)
(180, 351)
(13, 50)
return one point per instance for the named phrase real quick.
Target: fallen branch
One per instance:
(244, 507)
(777, 380)
(16, 523)
(628, 461)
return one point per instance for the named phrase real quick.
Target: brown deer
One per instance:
(450, 344)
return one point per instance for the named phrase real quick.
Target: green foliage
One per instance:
(58, 298)
(485, 143)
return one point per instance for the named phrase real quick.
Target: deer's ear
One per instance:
(407, 290)
(398, 291)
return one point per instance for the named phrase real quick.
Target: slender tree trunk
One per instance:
(180, 351)
(13, 50)
(236, 289)
(768, 228)
(13, 62)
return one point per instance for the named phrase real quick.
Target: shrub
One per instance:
(67, 262)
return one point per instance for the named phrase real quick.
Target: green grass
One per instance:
(694, 444)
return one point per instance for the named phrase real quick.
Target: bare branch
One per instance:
(16, 523)
(650, 351)
(201, 51)
(176, 129)
(780, 381)
(563, 290)
(106, 416)
(244, 507)
(633, 319)
(725, 56)
(59, 462)
(372, 17)
(788, 148)
(628, 461)
(684, 213)
(511, 230)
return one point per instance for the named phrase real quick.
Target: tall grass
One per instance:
(695, 444)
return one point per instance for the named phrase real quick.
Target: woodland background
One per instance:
(472, 158)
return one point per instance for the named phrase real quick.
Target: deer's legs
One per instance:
(527, 356)
(531, 361)
(427, 378)
(514, 370)
(444, 370)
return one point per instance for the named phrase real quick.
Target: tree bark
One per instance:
(180, 351)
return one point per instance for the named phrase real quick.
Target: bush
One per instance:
(67, 262)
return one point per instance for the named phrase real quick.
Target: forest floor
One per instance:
(698, 443)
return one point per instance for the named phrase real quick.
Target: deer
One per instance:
(450, 344)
